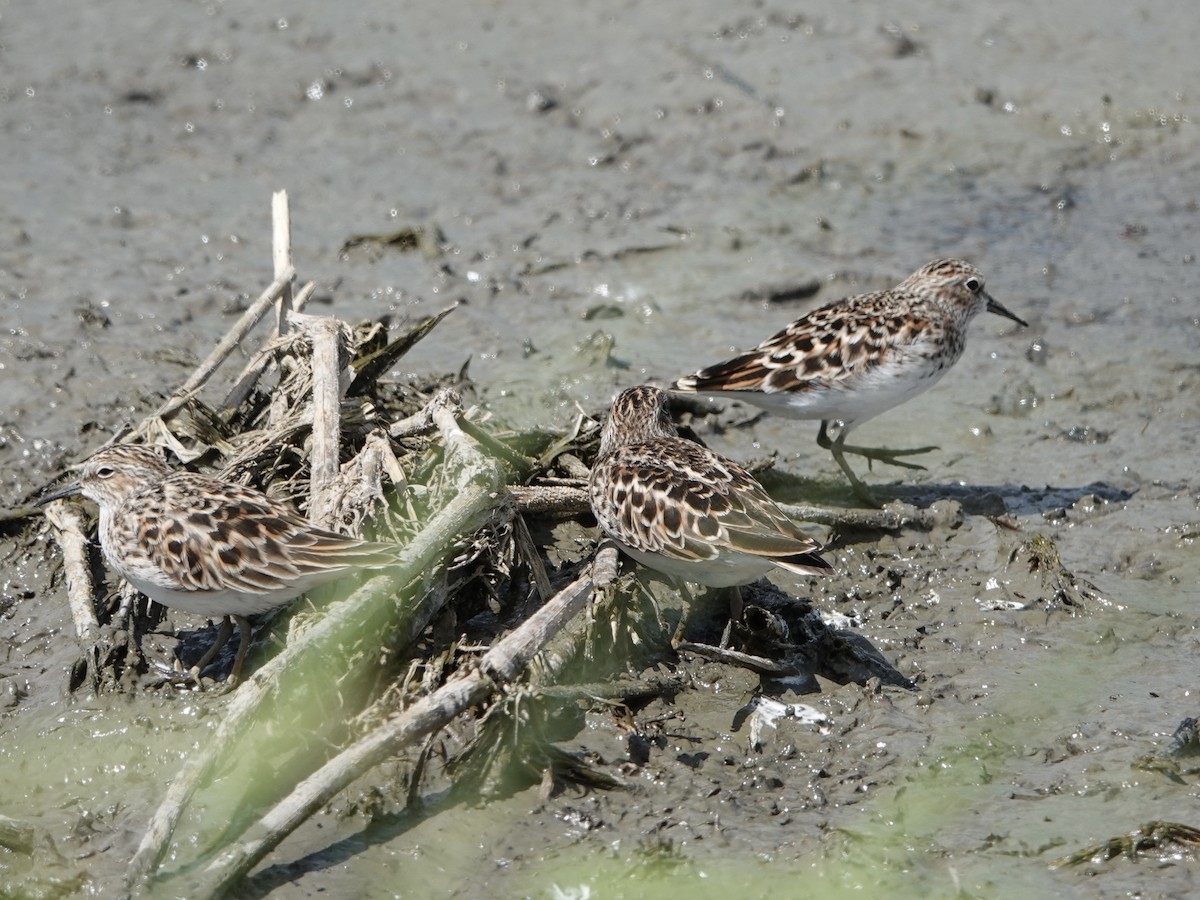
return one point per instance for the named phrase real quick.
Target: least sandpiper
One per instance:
(679, 508)
(858, 357)
(207, 546)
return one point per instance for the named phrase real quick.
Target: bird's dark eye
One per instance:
(974, 285)
(105, 472)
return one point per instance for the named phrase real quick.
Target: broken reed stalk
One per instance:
(73, 539)
(567, 500)
(328, 387)
(281, 254)
(892, 517)
(503, 663)
(543, 499)
(418, 423)
(372, 610)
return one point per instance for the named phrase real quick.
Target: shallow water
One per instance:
(607, 181)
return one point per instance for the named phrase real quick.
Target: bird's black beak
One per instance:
(993, 306)
(67, 491)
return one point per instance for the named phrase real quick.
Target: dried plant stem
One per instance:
(551, 499)
(80, 595)
(281, 252)
(499, 666)
(559, 499)
(279, 294)
(736, 658)
(327, 388)
(893, 516)
(418, 423)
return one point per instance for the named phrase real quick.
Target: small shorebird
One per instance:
(207, 546)
(858, 357)
(679, 508)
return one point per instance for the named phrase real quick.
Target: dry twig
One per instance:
(66, 519)
(893, 516)
(328, 386)
(281, 254)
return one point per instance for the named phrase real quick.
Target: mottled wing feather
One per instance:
(677, 498)
(754, 524)
(841, 341)
(319, 548)
(627, 492)
(223, 537)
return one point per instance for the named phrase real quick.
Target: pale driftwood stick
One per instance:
(567, 500)
(471, 501)
(418, 423)
(499, 666)
(66, 519)
(606, 566)
(252, 372)
(281, 253)
(258, 363)
(303, 296)
(325, 465)
(505, 661)
(444, 410)
(423, 420)
(893, 516)
(227, 344)
(540, 499)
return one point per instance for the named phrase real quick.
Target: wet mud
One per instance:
(618, 194)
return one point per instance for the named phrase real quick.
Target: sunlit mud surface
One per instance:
(613, 194)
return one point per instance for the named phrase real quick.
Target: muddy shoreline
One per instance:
(610, 194)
